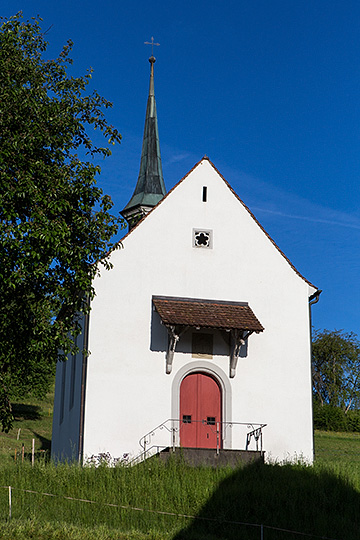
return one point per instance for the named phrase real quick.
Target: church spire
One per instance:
(150, 187)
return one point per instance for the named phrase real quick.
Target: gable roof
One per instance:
(206, 313)
(205, 158)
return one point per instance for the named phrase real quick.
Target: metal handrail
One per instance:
(147, 438)
(146, 454)
(257, 434)
(174, 425)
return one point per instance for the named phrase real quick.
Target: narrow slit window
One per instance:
(204, 195)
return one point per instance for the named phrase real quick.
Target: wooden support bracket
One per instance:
(174, 336)
(238, 337)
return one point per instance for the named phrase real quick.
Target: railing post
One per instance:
(173, 438)
(217, 438)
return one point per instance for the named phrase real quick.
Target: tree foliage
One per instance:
(55, 223)
(336, 368)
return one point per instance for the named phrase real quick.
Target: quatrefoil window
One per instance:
(202, 239)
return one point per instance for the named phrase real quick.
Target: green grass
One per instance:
(322, 500)
(33, 420)
(33, 530)
(314, 500)
(151, 486)
(333, 447)
(339, 454)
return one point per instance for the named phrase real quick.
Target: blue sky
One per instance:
(270, 91)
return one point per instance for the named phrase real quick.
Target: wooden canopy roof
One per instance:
(206, 313)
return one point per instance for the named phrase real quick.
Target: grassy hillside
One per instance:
(151, 501)
(33, 420)
(332, 447)
(154, 500)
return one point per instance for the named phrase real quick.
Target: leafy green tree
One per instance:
(55, 222)
(336, 368)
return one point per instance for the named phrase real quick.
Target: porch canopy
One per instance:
(180, 314)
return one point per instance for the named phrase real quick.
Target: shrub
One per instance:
(329, 418)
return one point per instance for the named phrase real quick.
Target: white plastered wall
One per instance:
(128, 392)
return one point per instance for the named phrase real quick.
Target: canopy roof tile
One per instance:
(206, 313)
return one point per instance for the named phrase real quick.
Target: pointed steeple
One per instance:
(150, 187)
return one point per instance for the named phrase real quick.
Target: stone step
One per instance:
(196, 457)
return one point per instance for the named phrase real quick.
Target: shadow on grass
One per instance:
(43, 453)
(22, 411)
(45, 443)
(291, 497)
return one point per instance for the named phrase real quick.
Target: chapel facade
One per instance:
(200, 334)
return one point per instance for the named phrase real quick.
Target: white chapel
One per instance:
(199, 336)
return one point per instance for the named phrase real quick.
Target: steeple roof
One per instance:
(150, 187)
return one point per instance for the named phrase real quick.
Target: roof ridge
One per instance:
(262, 228)
(206, 158)
(200, 300)
(163, 199)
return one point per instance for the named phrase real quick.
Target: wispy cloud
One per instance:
(349, 221)
(176, 158)
(263, 197)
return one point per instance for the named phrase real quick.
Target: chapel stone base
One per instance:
(196, 457)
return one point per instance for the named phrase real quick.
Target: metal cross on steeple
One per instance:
(152, 45)
(150, 187)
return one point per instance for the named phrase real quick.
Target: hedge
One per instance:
(329, 418)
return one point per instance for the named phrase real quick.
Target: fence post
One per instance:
(33, 452)
(262, 532)
(9, 502)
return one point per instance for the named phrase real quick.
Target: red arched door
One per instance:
(200, 411)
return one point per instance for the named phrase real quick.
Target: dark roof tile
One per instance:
(206, 313)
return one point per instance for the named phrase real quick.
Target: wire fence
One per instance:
(262, 528)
